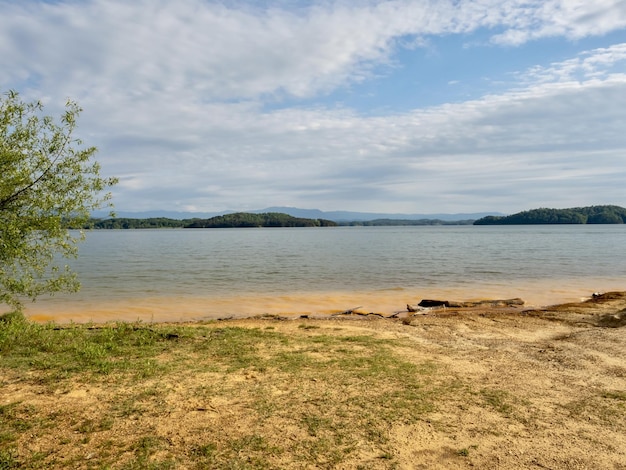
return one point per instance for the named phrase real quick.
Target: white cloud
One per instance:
(597, 63)
(574, 19)
(500, 141)
(176, 97)
(144, 49)
(147, 48)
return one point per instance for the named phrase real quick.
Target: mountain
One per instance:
(335, 216)
(347, 216)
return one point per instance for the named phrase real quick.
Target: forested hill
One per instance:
(268, 219)
(126, 223)
(237, 220)
(576, 215)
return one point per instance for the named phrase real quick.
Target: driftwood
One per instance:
(516, 302)
(350, 311)
(428, 303)
(353, 311)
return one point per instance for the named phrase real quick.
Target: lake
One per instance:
(194, 274)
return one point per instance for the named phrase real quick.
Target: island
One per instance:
(268, 219)
(576, 215)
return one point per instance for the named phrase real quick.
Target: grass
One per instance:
(604, 406)
(338, 390)
(216, 395)
(499, 400)
(619, 395)
(83, 349)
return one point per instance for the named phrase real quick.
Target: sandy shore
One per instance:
(82, 307)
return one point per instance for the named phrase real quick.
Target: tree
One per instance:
(48, 182)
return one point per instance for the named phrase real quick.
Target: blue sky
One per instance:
(373, 106)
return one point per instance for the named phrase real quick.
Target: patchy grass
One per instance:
(605, 407)
(499, 400)
(264, 394)
(330, 392)
(86, 350)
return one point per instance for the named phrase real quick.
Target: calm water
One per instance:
(193, 274)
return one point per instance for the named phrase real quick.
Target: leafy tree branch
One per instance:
(48, 181)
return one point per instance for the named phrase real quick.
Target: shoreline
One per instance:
(181, 309)
(201, 309)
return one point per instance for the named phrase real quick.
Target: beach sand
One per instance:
(166, 307)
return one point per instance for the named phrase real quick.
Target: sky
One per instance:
(418, 106)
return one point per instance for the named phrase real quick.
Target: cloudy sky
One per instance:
(411, 106)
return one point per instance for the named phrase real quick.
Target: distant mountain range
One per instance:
(336, 216)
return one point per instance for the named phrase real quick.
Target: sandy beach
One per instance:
(81, 308)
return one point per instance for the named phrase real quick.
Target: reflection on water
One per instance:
(180, 275)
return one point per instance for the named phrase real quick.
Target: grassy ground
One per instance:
(345, 388)
(297, 394)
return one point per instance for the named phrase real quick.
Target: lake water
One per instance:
(191, 274)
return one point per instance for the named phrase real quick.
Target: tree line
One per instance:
(236, 220)
(576, 215)
(243, 220)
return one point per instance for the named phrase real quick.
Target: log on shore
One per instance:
(430, 303)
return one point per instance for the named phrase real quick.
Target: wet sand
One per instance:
(167, 308)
